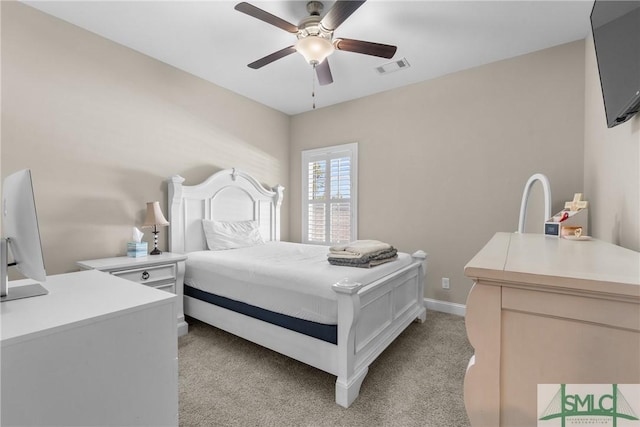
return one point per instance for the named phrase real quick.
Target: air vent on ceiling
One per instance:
(390, 67)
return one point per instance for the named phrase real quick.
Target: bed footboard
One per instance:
(371, 317)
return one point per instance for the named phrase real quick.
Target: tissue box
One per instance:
(136, 250)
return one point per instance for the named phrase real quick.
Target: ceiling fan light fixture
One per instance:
(315, 49)
(315, 36)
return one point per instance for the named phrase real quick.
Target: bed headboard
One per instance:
(229, 195)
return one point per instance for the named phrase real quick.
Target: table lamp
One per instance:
(153, 219)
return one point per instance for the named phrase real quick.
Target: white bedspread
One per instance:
(288, 278)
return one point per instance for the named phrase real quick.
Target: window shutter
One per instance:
(329, 194)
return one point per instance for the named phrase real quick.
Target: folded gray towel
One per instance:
(365, 261)
(377, 255)
(359, 248)
(355, 263)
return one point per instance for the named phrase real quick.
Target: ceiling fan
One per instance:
(315, 36)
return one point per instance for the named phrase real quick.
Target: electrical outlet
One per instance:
(445, 283)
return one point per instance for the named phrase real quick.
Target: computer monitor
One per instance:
(21, 237)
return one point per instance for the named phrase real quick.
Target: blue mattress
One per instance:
(328, 333)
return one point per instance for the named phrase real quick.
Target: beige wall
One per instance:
(102, 127)
(442, 164)
(611, 166)
(1, 108)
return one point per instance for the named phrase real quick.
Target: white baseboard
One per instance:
(445, 306)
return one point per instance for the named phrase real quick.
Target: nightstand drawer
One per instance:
(149, 275)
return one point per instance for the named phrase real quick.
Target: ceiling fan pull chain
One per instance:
(313, 86)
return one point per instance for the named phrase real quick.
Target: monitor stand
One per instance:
(25, 291)
(17, 292)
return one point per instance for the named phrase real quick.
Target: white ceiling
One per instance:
(213, 41)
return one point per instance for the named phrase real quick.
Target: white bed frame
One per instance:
(370, 316)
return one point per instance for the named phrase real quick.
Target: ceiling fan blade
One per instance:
(324, 73)
(367, 48)
(341, 10)
(262, 15)
(273, 57)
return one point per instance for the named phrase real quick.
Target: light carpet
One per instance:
(417, 381)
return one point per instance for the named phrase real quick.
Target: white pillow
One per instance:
(231, 235)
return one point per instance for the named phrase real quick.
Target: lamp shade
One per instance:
(315, 49)
(154, 215)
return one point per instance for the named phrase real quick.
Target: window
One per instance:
(329, 199)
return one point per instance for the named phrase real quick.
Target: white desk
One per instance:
(545, 310)
(94, 351)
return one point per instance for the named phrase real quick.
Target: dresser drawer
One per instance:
(148, 275)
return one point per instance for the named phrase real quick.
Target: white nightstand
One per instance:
(164, 271)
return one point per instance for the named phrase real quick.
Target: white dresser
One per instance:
(94, 351)
(545, 310)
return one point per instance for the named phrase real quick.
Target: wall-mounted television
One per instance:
(616, 34)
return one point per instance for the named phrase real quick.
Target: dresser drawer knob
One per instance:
(145, 275)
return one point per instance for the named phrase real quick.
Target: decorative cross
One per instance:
(577, 203)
